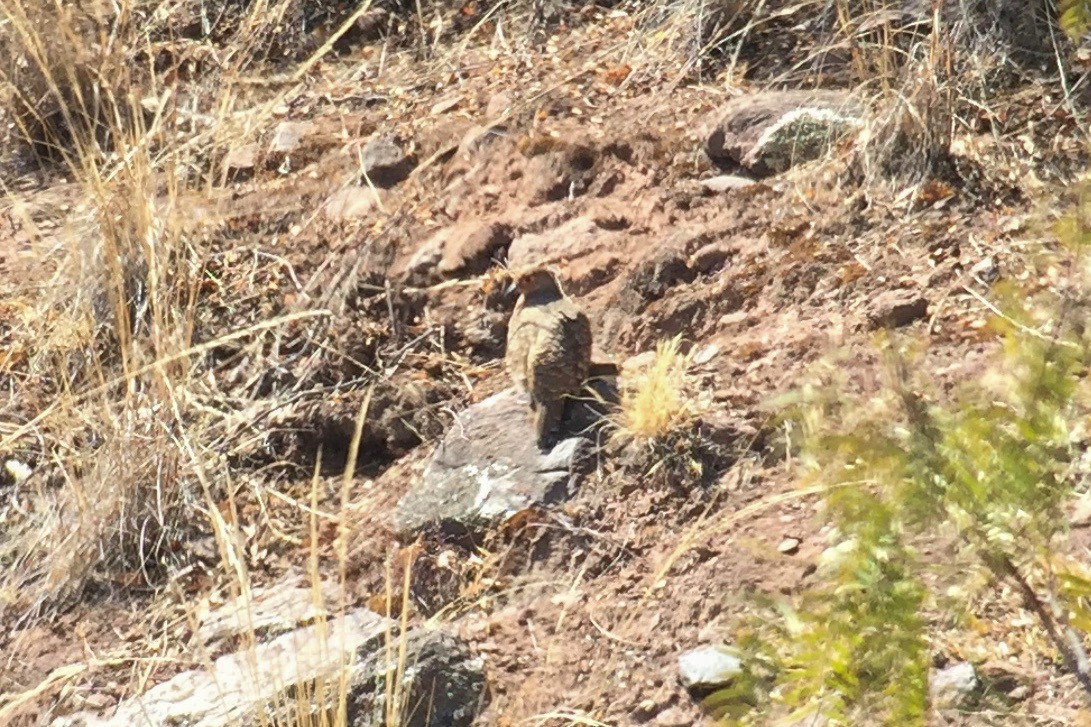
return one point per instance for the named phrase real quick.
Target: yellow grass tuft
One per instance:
(657, 400)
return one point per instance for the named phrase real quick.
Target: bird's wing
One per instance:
(578, 332)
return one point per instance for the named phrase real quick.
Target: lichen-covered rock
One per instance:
(487, 468)
(768, 133)
(442, 683)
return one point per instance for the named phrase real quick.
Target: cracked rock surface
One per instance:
(487, 468)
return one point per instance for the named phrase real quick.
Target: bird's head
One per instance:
(535, 282)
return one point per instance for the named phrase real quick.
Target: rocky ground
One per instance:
(356, 238)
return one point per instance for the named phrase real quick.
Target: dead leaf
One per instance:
(617, 75)
(934, 191)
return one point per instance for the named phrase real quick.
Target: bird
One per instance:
(548, 352)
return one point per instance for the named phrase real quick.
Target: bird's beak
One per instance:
(510, 287)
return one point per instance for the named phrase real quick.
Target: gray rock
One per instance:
(385, 163)
(953, 685)
(242, 687)
(288, 136)
(443, 684)
(487, 468)
(268, 610)
(708, 667)
(770, 132)
(897, 308)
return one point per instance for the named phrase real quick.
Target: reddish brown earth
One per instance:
(584, 610)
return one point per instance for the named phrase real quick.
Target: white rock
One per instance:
(18, 471)
(952, 685)
(708, 666)
(789, 546)
(726, 183)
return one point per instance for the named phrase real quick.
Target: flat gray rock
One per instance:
(442, 683)
(268, 610)
(241, 688)
(487, 468)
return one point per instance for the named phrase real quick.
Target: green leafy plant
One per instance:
(1075, 16)
(988, 469)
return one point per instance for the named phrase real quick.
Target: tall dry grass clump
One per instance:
(67, 69)
(116, 413)
(108, 432)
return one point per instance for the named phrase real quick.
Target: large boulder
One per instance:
(589, 249)
(442, 683)
(488, 468)
(768, 133)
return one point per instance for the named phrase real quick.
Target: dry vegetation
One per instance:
(167, 388)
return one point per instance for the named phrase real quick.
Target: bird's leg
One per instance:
(547, 420)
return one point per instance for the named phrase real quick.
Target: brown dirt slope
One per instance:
(586, 154)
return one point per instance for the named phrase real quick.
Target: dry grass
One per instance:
(657, 401)
(126, 457)
(658, 420)
(115, 498)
